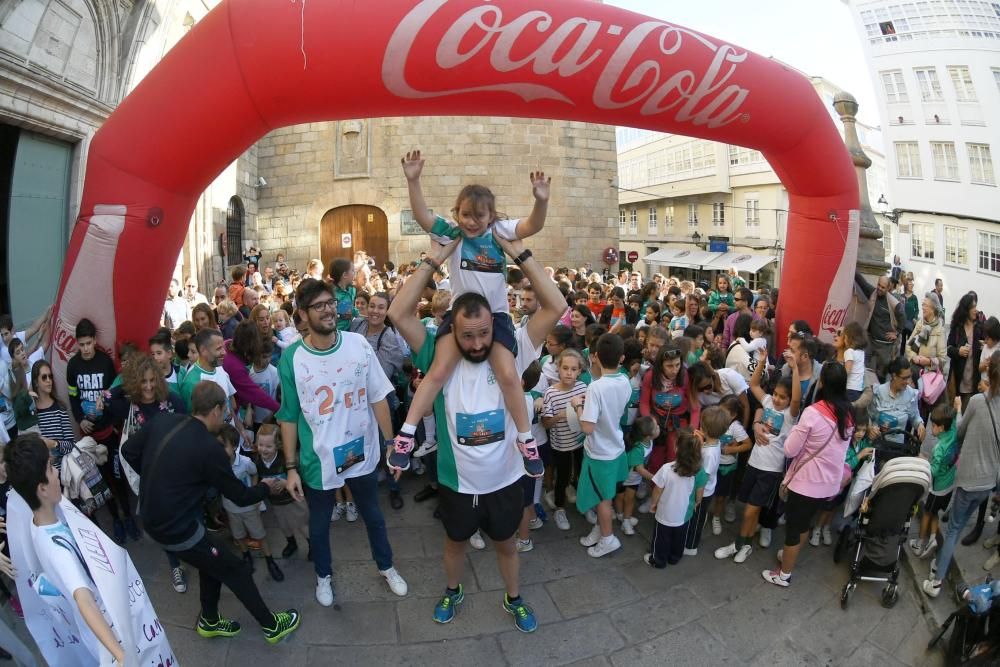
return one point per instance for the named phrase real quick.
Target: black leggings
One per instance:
(567, 466)
(114, 476)
(216, 566)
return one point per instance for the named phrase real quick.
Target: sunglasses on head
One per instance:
(671, 353)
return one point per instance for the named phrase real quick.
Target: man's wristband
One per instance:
(523, 257)
(433, 263)
(291, 466)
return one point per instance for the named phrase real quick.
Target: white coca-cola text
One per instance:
(705, 98)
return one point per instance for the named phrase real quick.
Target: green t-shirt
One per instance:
(700, 480)
(345, 306)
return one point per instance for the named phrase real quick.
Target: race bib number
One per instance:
(90, 409)
(350, 454)
(481, 254)
(483, 428)
(666, 399)
(887, 421)
(773, 420)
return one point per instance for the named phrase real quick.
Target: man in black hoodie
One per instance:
(178, 459)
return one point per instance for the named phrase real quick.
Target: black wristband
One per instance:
(522, 258)
(433, 263)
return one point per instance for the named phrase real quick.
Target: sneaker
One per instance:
(730, 512)
(118, 530)
(743, 554)
(991, 542)
(477, 542)
(535, 524)
(274, 570)
(324, 591)
(352, 512)
(690, 552)
(992, 561)
(765, 538)
(931, 547)
(827, 536)
(418, 467)
(634, 521)
(591, 517)
(524, 617)
(814, 537)
(727, 551)
(533, 465)
(399, 459)
(571, 494)
(447, 606)
(550, 499)
(338, 511)
(525, 545)
(916, 546)
(132, 529)
(290, 548)
(774, 577)
(716, 526)
(591, 538)
(931, 587)
(395, 499)
(285, 623)
(180, 583)
(425, 448)
(648, 560)
(628, 527)
(618, 516)
(604, 547)
(220, 628)
(396, 583)
(644, 508)
(562, 522)
(933, 569)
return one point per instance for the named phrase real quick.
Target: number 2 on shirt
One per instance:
(326, 405)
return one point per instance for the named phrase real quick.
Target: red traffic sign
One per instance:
(632, 256)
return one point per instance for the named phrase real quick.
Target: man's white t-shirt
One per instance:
(605, 403)
(478, 264)
(731, 382)
(328, 394)
(771, 457)
(671, 509)
(477, 453)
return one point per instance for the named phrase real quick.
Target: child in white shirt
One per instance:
(715, 420)
(282, 323)
(679, 321)
(758, 342)
(677, 488)
(733, 442)
(851, 342)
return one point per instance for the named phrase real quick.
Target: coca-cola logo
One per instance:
(833, 318)
(64, 340)
(510, 45)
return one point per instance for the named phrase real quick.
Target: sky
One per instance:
(817, 37)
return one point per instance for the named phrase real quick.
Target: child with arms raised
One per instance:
(477, 266)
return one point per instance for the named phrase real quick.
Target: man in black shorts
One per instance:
(479, 465)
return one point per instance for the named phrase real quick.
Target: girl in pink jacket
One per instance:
(817, 446)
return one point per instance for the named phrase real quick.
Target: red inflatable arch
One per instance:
(254, 65)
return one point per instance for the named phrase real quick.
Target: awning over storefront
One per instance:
(743, 261)
(682, 257)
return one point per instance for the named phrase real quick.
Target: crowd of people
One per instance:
(523, 393)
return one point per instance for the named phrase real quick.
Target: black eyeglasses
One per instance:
(320, 306)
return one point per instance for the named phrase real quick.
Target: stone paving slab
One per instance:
(688, 645)
(562, 643)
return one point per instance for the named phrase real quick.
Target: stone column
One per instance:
(871, 253)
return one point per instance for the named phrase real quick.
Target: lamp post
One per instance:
(871, 253)
(892, 215)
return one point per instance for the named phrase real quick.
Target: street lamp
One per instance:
(892, 215)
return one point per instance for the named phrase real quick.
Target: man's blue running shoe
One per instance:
(524, 617)
(447, 607)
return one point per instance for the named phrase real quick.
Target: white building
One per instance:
(936, 69)
(692, 208)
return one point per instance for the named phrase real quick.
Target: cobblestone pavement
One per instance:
(614, 610)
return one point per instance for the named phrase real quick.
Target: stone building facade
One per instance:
(321, 175)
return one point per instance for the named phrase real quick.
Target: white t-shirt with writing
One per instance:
(478, 264)
(268, 381)
(735, 433)
(771, 457)
(607, 398)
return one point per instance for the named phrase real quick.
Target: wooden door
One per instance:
(347, 229)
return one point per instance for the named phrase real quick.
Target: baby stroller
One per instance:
(884, 512)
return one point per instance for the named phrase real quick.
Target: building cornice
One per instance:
(914, 211)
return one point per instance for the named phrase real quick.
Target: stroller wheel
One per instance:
(890, 595)
(845, 595)
(843, 543)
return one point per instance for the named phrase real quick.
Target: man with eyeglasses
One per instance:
(744, 299)
(333, 403)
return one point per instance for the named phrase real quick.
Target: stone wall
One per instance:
(316, 167)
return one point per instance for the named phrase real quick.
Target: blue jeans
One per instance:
(364, 489)
(963, 505)
(393, 402)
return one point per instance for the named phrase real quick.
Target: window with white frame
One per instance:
(956, 246)
(922, 240)
(908, 159)
(751, 209)
(962, 80)
(887, 239)
(738, 156)
(989, 252)
(927, 81)
(981, 164)
(945, 160)
(633, 221)
(621, 222)
(718, 214)
(668, 215)
(653, 224)
(693, 216)
(894, 86)
(996, 77)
